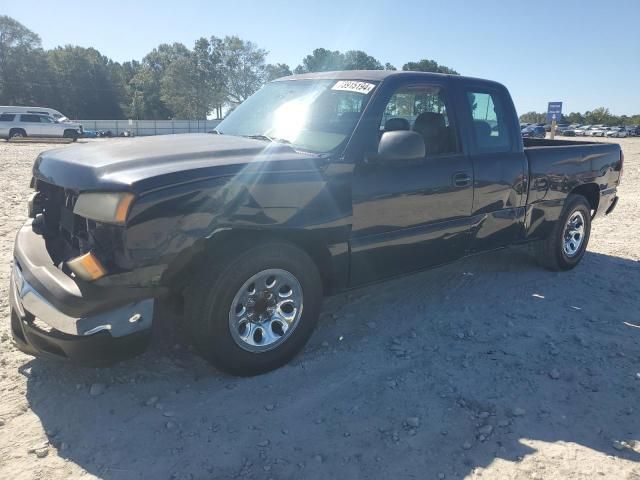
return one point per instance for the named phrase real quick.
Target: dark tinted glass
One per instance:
(30, 118)
(489, 120)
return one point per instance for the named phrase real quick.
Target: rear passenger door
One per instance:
(499, 164)
(411, 214)
(31, 124)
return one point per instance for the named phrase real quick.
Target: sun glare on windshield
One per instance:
(309, 115)
(289, 119)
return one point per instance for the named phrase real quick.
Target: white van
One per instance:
(59, 117)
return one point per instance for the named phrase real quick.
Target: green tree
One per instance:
(359, 60)
(321, 60)
(179, 89)
(533, 117)
(277, 70)
(191, 85)
(244, 68)
(145, 86)
(388, 66)
(426, 65)
(24, 72)
(597, 116)
(122, 74)
(573, 117)
(85, 87)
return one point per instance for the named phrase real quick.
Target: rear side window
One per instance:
(489, 122)
(6, 117)
(30, 118)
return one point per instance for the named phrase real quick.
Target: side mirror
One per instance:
(401, 145)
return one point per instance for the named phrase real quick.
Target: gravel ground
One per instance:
(487, 368)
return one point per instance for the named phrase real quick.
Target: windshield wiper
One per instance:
(268, 138)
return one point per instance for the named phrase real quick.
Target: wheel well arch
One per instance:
(239, 239)
(591, 192)
(17, 129)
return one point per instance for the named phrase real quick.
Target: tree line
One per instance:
(171, 81)
(598, 116)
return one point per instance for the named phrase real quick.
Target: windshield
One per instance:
(312, 115)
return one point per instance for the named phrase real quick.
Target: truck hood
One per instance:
(70, 124)
(145, 163)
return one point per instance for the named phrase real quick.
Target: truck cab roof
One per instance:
(378, 76)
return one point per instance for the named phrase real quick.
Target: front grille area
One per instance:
(69, 235)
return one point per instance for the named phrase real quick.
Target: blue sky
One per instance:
(585, 53)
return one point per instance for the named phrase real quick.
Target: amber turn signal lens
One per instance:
(123, 208)
(87, 267)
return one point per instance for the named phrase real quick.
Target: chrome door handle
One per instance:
(461, 179)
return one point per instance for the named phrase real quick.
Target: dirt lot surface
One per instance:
(487, 368)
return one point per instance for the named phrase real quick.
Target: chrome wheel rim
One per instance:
(573, 236)
(266, 310)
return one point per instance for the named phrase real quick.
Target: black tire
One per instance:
(211, 294)
(550, 252)
(17, 133)
(72, 134)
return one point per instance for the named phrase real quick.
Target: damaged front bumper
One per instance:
(55, 315)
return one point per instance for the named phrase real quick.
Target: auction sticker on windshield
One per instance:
(353, 86)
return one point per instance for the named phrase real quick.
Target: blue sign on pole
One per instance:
(554, 111)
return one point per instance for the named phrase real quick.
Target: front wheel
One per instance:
(72, 134)
(253, 311)
(566, 244)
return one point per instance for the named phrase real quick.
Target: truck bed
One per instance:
(558, 167)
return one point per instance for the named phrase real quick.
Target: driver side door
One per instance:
(408, 215)
(49, 127)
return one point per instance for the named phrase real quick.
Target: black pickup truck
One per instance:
(316, 184)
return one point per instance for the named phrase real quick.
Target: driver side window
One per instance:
(422, 108)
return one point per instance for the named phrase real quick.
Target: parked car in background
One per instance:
(601, 132)
(633, 130)
(595, 131)
(617, 132)
(89, 134)
(16, 125)
(534, 131)
(35, 110)
(561, 128)
(580, 131)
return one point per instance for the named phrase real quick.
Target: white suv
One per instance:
(35, 125)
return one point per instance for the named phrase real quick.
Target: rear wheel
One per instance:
(17, 133)
(250, 312)
(566, 244)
